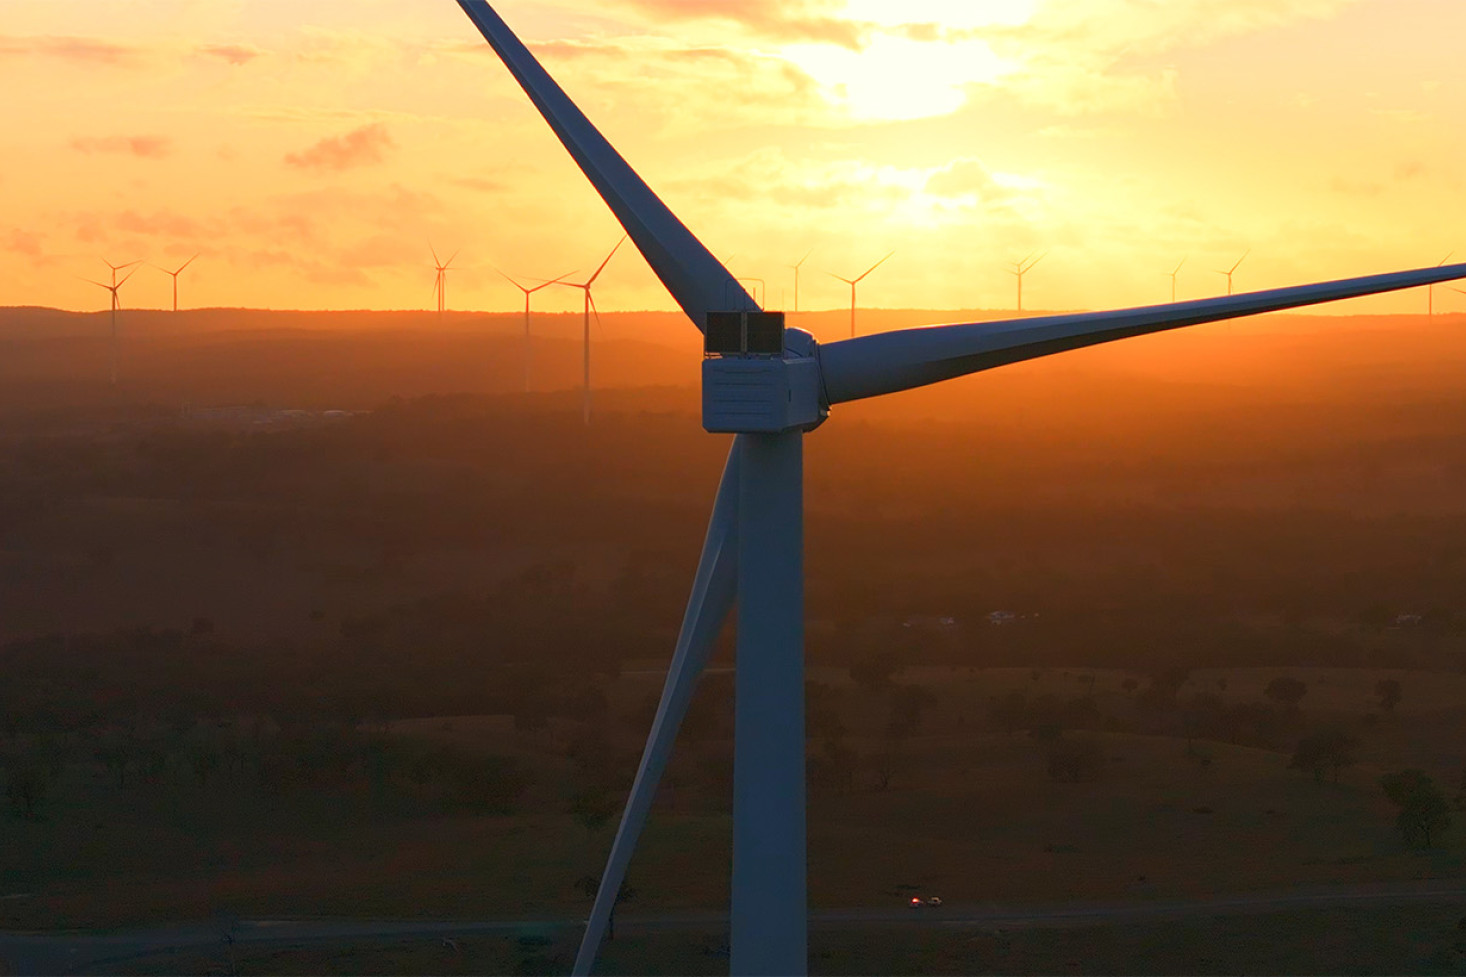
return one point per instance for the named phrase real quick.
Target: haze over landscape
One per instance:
(327, 646)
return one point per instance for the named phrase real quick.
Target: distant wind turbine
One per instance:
(1430, 289)
(175, 275)
(1173, 279)
(1021, 268)
(852, 282)
(796, 266)
(528, 291)
(1229, 271)
(590, 303)
(770, 385)
(116, 305)
(440, 284)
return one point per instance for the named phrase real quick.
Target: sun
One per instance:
(918, 60)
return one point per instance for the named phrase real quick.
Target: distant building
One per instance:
(1001, 617)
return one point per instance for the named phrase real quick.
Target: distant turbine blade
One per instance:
(186, 264)
(1178, 266)
(887, 362)
(713, 591)
(97, 283)
(127, 276)
(592, 279)
(696, 279)
(875, 266)
(801, 261)
(1444, 260)
(450, 260)
(1035, 262)
(1240, 260)
(436, 263)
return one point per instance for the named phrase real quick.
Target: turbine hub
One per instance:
(759, 377)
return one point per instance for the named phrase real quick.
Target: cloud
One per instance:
(966, 177)
(24, 242)
(359, 147)
(160, 222)
(782, 20)
(147, 147)
(233, 53)
(85, 50)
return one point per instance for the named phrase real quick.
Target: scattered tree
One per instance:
(1328, 749)
(1424, 813)
(1388, 691)
(1286, 691)
(1074, 760)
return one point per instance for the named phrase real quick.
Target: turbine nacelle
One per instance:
(759, 377)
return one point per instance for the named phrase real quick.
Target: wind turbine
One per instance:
(1021, 268)
(116, 304)
(1229, 271)
(1430, 289)
(852, 282)
(440, 283)
(1173, 279)
(175, 275)
(528, 291)
(590, 304)
(769, 385)
(796, 266)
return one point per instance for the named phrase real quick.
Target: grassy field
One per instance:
(970, 814)
(1394, 940)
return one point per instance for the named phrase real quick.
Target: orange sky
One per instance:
(311, 149)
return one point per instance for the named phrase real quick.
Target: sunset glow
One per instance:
(312, 150)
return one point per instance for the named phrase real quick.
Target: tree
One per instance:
(590, 885)
(592, 808)
(1388, 691)
(26, 782)
(1075, 759)
(874, 672)
(1286, 691)
(1424, 813)
(1328, 749)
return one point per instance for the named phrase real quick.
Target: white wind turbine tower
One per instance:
(116, 305)
(1430, 289)
(1230, 270)
(440, 283)
(590, 304)
(1021, 268)
(852, 282)
(528, 291)
(796, 266)
(770, 385)
(1173, 274)
(175, 275)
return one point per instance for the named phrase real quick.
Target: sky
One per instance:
(312, 152)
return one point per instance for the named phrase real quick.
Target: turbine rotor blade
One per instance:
(875, 266)
(592, 280)
(186, 264)
(713, 590)
(887, 362)
(697, 280)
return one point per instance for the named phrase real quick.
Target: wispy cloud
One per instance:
(86, 50)
(232, 53)
(360, 147)
(147, 147)
(783, 20)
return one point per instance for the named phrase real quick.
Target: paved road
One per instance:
(70, 952)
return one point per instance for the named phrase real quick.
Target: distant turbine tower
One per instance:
(590, 303)
(1229, 271)
(528, 291)
(175, 275)
(1021, 268)
(440, 284)
(852, 282)
(1430, 289)
(770, 386)
(796, 267)
(116, 305)
(1173, 279)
